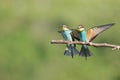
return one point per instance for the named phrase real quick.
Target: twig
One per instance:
(114, 47)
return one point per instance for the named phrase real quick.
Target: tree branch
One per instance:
(114, 47)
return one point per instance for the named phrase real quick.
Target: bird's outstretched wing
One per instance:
(95, 31)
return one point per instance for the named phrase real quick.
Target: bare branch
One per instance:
(114, 47)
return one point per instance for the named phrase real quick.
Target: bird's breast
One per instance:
(67, 35)
(83, 36)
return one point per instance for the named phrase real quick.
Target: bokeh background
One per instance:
(28, 26)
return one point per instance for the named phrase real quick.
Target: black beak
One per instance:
(59, 31)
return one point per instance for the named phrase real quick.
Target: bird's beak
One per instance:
(59, 31)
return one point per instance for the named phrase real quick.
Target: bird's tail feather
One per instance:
(85, 52)
(71, 51)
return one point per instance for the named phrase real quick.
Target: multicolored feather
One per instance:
(92, 33)
(95, 31)
(67, 35)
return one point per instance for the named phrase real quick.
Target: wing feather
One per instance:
(75, 34)
(95, 31)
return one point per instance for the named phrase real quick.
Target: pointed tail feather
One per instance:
(67, 52)
(75, 51)
(85, 52)
(71, 51)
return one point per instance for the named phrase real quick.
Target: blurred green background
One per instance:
(28, 26)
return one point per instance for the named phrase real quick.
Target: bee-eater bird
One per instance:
(67, 35)
(87, 36)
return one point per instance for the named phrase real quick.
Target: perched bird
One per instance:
(67, 35)
(83, 37)
(87, 36)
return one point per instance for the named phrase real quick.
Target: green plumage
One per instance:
(84, 49)
(70, 48)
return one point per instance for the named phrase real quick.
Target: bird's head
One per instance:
(80, 28)
(64, 27)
